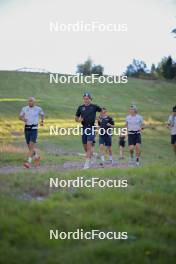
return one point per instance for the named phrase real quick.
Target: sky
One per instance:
(26, 39)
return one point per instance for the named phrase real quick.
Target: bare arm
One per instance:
(78, 119)
(142, 126)
(169, 126)
(110, 125)
(22, 118)
(42, 119)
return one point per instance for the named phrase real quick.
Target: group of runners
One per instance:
(86, 114)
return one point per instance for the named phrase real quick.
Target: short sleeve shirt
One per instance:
(88, 113)
(134, 123)
(103, 121)
(31, 114)
(172, 123)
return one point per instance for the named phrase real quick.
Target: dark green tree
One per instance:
(168, 68)
(153, 68)
(136, 69)
(97, 69)
(87, 68)
(174, 32)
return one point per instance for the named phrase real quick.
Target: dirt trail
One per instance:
(69, 165)
(53, 150)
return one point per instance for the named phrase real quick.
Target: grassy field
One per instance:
(29, 208)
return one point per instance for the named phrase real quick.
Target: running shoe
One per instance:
(86, 165)
(27, 165)
(137, 163)
(111, 162)
(102, 164)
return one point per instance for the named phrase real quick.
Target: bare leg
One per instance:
(85, 147)
(102, 152)
(92, 152)
(137, 147)
(121, 152)
(101, 147)
(109, 149)
(30, 154)
(131, 149)
(31, 149)
(89, 149)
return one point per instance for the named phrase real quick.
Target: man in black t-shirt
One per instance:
(106, 123)
(86, 114)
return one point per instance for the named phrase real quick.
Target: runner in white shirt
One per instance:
(30, 116)
(134, 124)
(172, 126)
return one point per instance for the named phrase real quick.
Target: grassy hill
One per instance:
(154, 98)
(60, 101)
(29, 208)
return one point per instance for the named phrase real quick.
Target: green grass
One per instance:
(29, 209)
(144, 210)
(154, 98)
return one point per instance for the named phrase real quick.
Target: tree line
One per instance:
(165, 69)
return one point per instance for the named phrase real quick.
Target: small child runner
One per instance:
(105, 123)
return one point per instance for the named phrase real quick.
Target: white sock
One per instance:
(102, 158)
(35, 156)
(29, 159)
(110, 158)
